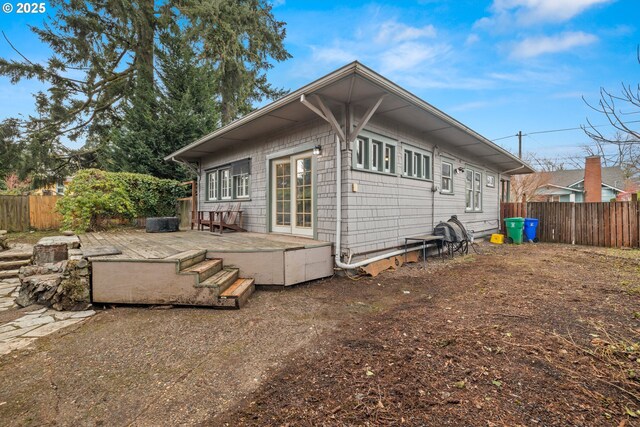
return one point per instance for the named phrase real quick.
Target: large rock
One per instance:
(50, 253)
(3, 240)
(62, 286)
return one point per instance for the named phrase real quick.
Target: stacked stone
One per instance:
(56, 279)
(4, 245)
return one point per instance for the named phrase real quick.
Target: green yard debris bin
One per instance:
(514, 229)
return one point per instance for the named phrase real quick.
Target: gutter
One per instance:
(515, 169)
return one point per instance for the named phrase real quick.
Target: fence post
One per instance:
(573, 223)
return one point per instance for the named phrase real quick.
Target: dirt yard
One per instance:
(530, 335)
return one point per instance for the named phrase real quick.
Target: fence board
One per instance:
(14, 213)
(42, 213)
(608, 224)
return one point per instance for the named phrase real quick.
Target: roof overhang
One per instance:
(358, 86)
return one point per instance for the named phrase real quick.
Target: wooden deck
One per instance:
(270, 259)
(136, 244)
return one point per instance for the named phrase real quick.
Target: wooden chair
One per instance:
(230, 219)
(206, 218)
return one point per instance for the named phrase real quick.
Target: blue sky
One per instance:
(497, 66)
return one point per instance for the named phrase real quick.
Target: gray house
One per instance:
(352, 159)
(571, 185)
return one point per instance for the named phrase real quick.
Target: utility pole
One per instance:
(520, 144)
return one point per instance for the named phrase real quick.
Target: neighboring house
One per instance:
(399, 164)
(56, 189)
(570, 186)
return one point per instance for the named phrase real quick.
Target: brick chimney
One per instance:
(593, 179)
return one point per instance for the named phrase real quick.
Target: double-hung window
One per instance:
(229, 182)
(447, 177)
(473, 190)
(212, 182)
(225, 184)
(374, 153)
(240, 172)
(417, 163)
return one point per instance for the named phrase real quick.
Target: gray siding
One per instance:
(383, 211)
(386, 209)
(255, 210)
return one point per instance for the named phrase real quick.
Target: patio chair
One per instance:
(206, 218)
(230, 219)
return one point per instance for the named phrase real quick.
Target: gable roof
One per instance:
(357, 85)
(611, 177)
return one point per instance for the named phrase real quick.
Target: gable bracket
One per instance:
(326, 114)
(365, 119)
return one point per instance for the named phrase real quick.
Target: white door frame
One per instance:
(292, 228)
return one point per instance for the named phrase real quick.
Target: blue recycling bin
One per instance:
(530, 228)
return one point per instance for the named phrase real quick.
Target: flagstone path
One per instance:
(21, 332)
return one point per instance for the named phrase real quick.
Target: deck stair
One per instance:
(195, 280)
(10, 263)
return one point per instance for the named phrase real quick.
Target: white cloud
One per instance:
(468, 106)
(507, 13)
(408, 56)
(472, 39)
(535, 46)
(393, 32)
(332, 55)
(389, 46)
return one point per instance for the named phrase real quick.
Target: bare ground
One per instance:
(530, 335)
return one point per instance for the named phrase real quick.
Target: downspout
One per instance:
(338, 257)
(434, 187)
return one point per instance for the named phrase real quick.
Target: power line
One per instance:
(558, 130)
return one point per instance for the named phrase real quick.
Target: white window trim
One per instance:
(388, 158)
(415, 159)
(375, 150)
(360, 149)
(472, 200)
(450, 176)
(369, 141)
(212, 189)
(226, 193)
(215, 192)
(240, 185)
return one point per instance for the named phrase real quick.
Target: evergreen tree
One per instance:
(105, 76)
(240, 37)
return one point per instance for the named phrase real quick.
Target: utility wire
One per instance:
(558, 130)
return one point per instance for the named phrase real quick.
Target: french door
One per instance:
(292, 201)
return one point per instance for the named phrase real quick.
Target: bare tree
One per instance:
(622, 148)
(624, 153)
(525, 188)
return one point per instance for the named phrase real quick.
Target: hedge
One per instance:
(94, 195)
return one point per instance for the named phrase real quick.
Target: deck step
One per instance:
(189, 258)
(8, 274)
(12, 265)
(205, 269)
(221, 280)
(236, 295)
(14, 256)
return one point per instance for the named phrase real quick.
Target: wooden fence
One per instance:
(609, 224)
(42, 213)
(21, 213)
(14, 213)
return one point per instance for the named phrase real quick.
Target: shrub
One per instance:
(94, 195)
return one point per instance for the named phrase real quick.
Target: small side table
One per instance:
(425, 239)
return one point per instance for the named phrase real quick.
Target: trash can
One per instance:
(530, 229)
(514, 229)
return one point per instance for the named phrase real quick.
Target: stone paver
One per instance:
(8, 292)
(23, 331)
